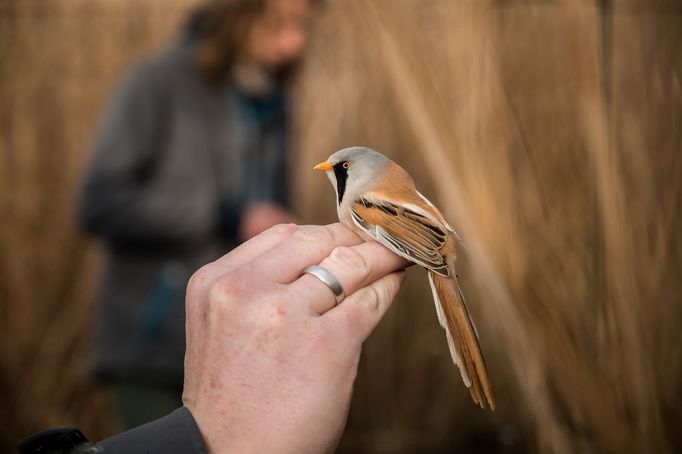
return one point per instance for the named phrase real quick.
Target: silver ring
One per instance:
(328, 279)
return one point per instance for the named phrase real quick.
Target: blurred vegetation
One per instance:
(59, 61)
(548, 132)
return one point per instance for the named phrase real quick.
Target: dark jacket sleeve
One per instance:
(117, 200)
(176, 433)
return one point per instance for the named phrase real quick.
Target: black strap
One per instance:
(63, 440)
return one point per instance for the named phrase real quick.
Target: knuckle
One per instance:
(371, 298)
(199, 279)
(227, 288)
(349, 257)
(353, 319)
(322, 342)
(315, 234)
(283, 229)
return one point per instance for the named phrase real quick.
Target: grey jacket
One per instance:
(173, 163)
(176, 433)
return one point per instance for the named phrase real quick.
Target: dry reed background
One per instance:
(549, 132)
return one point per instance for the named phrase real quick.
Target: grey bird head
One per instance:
(353, 171)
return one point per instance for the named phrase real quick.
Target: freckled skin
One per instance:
(269, 352)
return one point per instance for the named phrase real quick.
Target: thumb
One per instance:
(355, 318)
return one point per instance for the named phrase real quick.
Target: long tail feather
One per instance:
(462, 338)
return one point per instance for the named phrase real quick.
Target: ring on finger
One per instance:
(328, 279)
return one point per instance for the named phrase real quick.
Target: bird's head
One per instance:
(353, 171)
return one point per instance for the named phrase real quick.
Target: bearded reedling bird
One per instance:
(377, 199)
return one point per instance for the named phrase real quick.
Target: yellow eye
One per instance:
(346, 165)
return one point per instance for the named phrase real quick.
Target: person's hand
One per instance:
(258, 217)
(271, 358)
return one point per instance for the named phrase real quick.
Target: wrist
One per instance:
(210, 431)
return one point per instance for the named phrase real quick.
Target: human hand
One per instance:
(271, 359)
(258, 217)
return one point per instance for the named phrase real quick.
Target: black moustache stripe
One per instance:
(341, 175)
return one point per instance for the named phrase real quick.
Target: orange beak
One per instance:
(324, 166)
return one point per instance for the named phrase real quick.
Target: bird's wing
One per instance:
(407, 231)
(413, 233)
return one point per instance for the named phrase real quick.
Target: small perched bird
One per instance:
(377, 199)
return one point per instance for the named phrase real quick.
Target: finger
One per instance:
(256, 246)
(355, 319)
(246, 252)
(309, 245)
(354, 267)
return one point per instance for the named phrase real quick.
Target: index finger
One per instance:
(239, 256)
(285, 262)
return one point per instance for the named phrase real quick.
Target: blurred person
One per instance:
(191, 159)
(272, 351)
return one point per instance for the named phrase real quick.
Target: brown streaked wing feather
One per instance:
(414, 237)
(430, 242)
